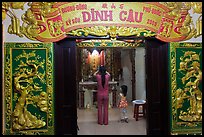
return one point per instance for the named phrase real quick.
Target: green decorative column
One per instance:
(28, 89)
(185, 68)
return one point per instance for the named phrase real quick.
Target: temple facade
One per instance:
(50, 51)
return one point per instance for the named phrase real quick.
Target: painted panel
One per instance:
(185, 68)
(28, 89)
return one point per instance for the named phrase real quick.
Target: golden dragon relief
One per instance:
(190, 68)
(188, 28)
(27, 78)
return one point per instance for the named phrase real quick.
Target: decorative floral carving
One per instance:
(28, 89)
(186, 94)
(112, 31)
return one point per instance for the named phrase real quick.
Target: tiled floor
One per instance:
(87, 122)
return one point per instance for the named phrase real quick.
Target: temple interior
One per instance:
(127, 67)
(124, 65)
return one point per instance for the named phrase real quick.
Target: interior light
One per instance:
(95, 52)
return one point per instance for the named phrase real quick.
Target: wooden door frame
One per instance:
(159, 127)
(156, 60)
(65, 87)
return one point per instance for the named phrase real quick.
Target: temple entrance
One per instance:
(67, 86)
(125, 64)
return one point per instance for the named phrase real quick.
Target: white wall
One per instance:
(140, 86)
(127, 72)
(140, 73)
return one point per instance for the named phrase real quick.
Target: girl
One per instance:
(123, 104)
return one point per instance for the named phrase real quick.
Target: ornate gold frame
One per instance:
(8, 90)
(178, 95)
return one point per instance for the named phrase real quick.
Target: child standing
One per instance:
(123, 104)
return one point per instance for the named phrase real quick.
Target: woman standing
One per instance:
(102, 77)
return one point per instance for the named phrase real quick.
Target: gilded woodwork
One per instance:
(3, 14)
(188, 29)
(7, 8)
(28, 89)
(30, 27)
(186, 88)
(111, 31)
(110, 43)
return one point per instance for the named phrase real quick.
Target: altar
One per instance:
(88, 92)
(89, 59)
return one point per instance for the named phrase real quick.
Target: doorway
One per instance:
(156, 61)
(121, 63)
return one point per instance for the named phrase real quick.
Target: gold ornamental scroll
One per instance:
(58, 19)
